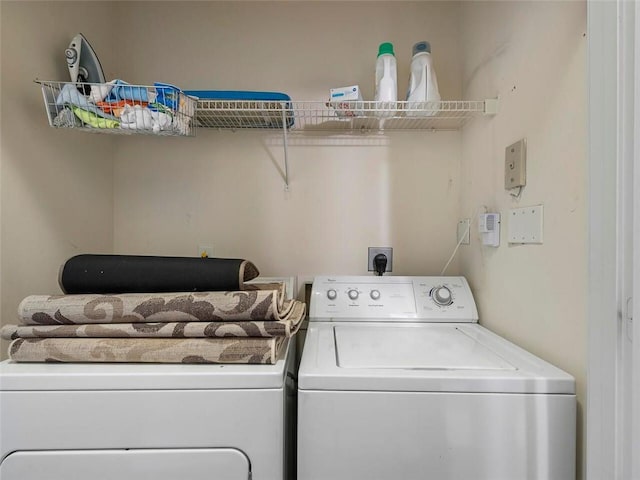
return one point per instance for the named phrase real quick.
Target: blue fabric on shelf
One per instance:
(70, 95)
(123, 91)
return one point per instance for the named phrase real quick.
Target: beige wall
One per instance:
(533, 56)
(346, 194)
(65, 192)
(56, 186)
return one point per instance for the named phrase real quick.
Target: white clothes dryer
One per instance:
(135, 421)
(61, 421)
(398, 381)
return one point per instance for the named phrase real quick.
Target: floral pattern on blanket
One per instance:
(160, 307)
(246, 326)
(147, 350)
(265, 329)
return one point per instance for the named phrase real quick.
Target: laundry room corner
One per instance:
(56, 201)
(533, 294)
(481, 348)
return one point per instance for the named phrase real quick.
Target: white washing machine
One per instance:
(148, 422)
(398, 381)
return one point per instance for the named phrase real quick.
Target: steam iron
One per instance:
(83, 63)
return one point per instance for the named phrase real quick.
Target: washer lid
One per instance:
(422, 358)
(438, 348)
(138, 376)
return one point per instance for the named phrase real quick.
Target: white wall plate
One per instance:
(526, 224)
(463, 231)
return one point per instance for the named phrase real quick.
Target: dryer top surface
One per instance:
(138, 376)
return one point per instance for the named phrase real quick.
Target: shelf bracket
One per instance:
(490, 106)
(286, 146)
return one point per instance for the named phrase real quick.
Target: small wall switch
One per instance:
(205, 251)
(373, 251)
(526, 225)
(515, 165)
(463, 232)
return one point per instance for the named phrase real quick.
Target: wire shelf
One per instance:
(160, 109)
(165, 110)
(356, 116)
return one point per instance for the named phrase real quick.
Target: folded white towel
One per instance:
(140, 118)
(99, 92)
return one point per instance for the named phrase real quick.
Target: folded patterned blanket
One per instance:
(249, 325)
(281, 328)
(250, 305)
(147, 350)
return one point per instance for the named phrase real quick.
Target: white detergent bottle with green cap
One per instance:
(386, 92)
(423, 96)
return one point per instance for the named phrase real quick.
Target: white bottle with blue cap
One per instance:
(422, 95)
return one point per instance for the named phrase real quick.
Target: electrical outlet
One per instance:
(463, 232)
(205, 251)
(515, 165)
(373, 251)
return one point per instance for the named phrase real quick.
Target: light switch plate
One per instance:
(463, 231)
(515, 165)
(526, 225)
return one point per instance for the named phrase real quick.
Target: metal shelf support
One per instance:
(286, 146)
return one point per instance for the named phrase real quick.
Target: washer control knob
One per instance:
(375, 294)
(332, 294)
(353, 294)
(442, 296)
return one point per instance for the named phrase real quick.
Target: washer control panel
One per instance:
(368, 298)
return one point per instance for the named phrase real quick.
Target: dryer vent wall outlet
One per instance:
(373, 251)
